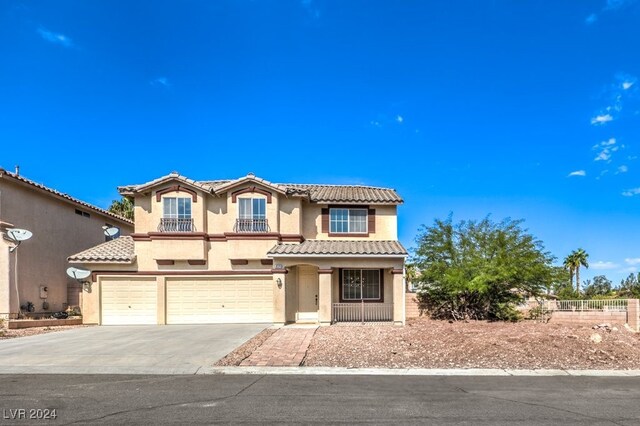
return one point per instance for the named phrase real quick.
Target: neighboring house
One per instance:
(61, 225)
(247, 250)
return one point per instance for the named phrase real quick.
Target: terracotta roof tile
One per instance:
(317, 193)
(120, 250)
(340, 247)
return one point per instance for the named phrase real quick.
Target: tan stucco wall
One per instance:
(58, 232)
(386, 223)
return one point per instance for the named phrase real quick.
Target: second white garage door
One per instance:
(226, 300)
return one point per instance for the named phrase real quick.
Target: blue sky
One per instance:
(525, 109)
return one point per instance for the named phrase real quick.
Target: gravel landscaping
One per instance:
(240, 353)
(6, 333)
(425, 343)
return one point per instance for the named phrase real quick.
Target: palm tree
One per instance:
(568, 265)
(576, 259)
(123, 207)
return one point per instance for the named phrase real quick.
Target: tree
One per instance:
(600, 286)
(568, 265)
(630, 286)
(576, 259)
(122, 207)
(410, 275)
(480, 270)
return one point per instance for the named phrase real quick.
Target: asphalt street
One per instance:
(207, 399)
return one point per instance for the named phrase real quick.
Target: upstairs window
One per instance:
(176, 215)
(252, 215)
(348, 221)
(176, 208)
(253, 208)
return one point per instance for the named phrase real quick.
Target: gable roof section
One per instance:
(330, 248)
(316, 193)
(171, 177)
(61, 195)
(120, 250)
(250, 178)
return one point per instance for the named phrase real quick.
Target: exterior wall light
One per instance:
(279, 282)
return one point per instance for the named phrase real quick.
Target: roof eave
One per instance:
(394, 256)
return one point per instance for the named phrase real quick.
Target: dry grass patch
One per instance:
(425, 343)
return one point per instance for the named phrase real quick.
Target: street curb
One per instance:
(324, 371)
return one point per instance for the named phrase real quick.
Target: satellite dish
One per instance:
(19, 234)
(111, 232)
(77, 273)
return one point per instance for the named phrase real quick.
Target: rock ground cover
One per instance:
(6, 333)
(426, 343)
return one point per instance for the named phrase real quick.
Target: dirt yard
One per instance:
(425, 343)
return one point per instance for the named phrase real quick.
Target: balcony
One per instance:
(176, 225)
(251, 226)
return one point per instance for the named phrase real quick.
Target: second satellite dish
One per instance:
(77, 273)
(111, 231)
(19, 234)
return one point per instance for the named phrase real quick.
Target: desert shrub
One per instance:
(480, 270)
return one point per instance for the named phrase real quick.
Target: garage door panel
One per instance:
(206, 301)
(129, 302)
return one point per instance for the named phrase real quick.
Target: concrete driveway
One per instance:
(166, 349)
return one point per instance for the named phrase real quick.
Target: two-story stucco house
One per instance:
(248, 250)
(61, 225)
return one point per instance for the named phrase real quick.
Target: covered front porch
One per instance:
(328, 288)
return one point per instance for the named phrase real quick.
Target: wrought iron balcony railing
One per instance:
(176, 225)
(251, 225)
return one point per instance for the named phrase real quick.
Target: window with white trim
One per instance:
(176, 215)
(176, 208)
(361, 284)
(347, 221)
(252, 215)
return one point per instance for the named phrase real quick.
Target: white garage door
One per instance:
(226, 300)
(127, 302)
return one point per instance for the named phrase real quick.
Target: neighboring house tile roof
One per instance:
(120, 250)
(62, 195)
(339, 248)
(317, 193)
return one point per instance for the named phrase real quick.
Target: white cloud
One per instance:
(399, 119)
(622, 169)
(55, 38)
(607, 148)
(632, 260)
(618, 4)
(601, 266)
(626, 85)
(601, 119)
(631, 192)
(160, 81)
(630, 269)
(577, 173)
(591, 19)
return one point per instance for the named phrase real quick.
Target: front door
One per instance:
(308, 294)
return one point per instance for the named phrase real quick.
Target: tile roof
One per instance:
(62, 195)
(317, 193)
(345, 193)
(120, 250)
(340, 248)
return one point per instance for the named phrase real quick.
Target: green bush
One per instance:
(480, 270)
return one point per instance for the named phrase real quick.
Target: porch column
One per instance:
(279, 296)
(398, 297)
(325, 299)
